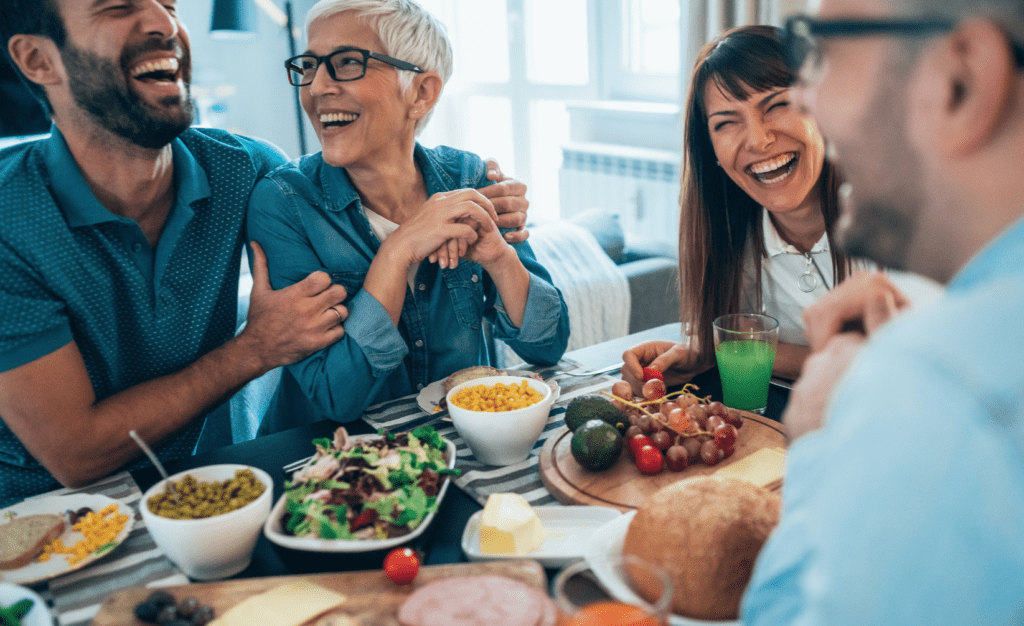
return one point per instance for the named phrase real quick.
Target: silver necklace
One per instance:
(808, 281)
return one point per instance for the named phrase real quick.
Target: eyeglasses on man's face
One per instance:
(342, 65)
(803, 35)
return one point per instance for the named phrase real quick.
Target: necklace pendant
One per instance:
(807, 282)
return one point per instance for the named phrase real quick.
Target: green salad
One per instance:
(375, 487)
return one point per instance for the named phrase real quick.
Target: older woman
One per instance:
(759, 205)
(374, 209)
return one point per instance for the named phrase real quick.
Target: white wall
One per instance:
(261, 101)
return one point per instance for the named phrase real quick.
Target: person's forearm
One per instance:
(80, 442)
(512, 280)
(789, 360)
(386, 281)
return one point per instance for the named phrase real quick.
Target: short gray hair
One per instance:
(1007, 13)
(406, 29)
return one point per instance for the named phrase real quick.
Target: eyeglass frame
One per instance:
(323, 60)
(815, 29)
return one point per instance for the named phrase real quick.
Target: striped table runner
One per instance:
(477, 479)
(75, 598)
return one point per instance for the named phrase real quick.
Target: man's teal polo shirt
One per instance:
(72, 270)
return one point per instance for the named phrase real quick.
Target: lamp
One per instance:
(232, 20)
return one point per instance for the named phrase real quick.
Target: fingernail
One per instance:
(443, 263)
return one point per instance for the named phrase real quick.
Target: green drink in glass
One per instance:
(745, 346)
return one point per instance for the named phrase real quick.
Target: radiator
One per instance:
(640, 186)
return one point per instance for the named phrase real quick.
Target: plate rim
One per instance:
(471, 534)
(123, 508)
(316, 544)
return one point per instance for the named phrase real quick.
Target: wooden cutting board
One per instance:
(373, 600)
(623, 486)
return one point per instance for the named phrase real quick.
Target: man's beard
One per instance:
(94, 86)
(887, 181)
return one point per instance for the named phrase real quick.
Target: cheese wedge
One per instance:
(288, 605)
(509, 526)
(761, 468)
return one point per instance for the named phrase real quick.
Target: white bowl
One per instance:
(505, 437)
(215, 547)
(38, 615)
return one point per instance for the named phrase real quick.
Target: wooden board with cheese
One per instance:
(369, 597)
(623, 486)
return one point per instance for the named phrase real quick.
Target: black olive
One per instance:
(187, 607)
(161, 598)
(147, 612)
(203, 616)
(167, 615)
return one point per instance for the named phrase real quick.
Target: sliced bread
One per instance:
(23, 538)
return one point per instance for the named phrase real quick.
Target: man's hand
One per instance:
(674, 360)
(509, 198)
(861, 303)
(805, 409)
(287, 325)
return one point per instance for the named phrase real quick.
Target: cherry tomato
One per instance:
(401, 565)
(638, 441)
(649, 460)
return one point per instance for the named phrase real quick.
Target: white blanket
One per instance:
(595, 289)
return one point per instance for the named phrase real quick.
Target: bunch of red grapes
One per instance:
(674, 430)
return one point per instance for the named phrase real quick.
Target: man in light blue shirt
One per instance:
(904, 487)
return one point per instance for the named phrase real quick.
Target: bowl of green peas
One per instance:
(207, 519)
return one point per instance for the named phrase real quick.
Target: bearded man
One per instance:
(904, 489)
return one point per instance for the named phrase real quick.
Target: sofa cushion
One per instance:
(606, 229)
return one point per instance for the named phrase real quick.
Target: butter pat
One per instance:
(509, 526)
(762, 468)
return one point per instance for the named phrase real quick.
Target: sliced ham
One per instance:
(477, 601)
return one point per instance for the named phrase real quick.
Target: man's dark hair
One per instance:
(31, 17)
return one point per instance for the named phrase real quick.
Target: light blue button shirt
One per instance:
(908, 507)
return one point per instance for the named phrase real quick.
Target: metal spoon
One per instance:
(156, 463)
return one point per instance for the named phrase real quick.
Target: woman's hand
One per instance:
(675, 361)
(443, 229)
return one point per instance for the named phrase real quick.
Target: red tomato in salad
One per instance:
(401, 565)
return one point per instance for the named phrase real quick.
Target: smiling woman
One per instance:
(411, 233)
(759, 205)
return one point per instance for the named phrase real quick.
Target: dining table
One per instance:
(75, 598)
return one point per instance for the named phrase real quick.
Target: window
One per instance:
(518, 62)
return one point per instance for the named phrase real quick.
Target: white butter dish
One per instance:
(567, 528)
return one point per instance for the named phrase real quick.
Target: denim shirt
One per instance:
(307, 216)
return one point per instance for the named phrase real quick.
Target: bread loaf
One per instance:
(23, 538)
(706, 533)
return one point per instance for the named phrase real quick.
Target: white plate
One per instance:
(274, 531)
(58, 505)
(568, 530)
(430, 396)
(38, 615)
(607, 542)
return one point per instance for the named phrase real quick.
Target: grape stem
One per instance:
(657, 416)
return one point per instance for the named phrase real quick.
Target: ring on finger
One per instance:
(336, 312)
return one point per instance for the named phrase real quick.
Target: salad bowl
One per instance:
(274, 528)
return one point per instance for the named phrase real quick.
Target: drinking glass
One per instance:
(745, 345)
(642, 593)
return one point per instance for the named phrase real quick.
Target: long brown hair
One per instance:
(717, 218)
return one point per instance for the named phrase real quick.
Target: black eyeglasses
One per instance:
(342, 65)
(801, 39)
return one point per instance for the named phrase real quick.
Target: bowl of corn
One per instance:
(500, 417)
(209, 523)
